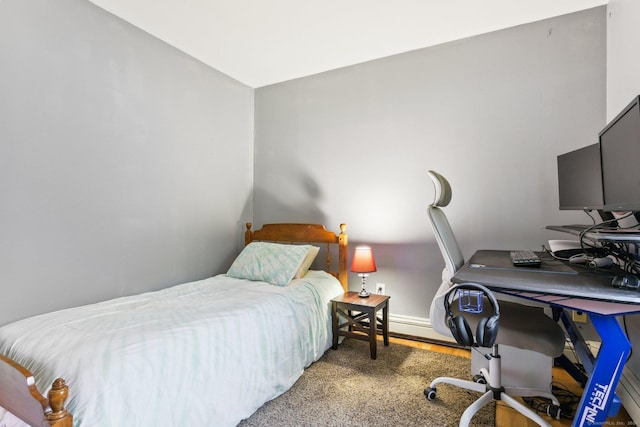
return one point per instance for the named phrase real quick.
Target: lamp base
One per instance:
(364, 294)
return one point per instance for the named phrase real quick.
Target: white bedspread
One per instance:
(206, 353)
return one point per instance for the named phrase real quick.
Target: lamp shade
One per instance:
(363, 261)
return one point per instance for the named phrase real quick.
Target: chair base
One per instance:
(534, 380)
(493, 390)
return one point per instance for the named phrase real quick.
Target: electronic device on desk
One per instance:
(620, 151)
(580, 184)
(592, 261)
(604, 176)
(525, 259)
(626, 281)
(565, 249)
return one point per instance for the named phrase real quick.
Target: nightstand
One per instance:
(361, 319)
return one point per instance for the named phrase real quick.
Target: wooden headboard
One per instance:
(307, 233)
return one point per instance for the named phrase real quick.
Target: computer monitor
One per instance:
(620, 156)
(580, 179)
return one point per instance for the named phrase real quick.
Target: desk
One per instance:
(558, 285)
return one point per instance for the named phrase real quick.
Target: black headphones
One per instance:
(487, 329)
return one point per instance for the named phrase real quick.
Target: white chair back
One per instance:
(447, 242)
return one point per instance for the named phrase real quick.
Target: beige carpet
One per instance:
(347, 388)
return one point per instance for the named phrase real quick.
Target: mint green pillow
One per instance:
(274, 263)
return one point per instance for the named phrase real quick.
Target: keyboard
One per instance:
(525, 259)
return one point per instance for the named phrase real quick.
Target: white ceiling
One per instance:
(260, 42)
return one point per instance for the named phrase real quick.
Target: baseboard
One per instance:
(415, 327)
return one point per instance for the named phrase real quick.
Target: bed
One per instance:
(208, 352)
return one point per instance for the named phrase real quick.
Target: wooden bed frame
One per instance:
(18, 392)
(19, 395)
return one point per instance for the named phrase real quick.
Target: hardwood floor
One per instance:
(505, 415)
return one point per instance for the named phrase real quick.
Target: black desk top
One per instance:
(494, 269)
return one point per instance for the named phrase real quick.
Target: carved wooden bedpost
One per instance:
(343, 271)
(20, 396)
(58, 417)
(247, 234)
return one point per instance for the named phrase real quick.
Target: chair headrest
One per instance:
(442, 195)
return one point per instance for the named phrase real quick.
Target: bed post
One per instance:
(58, 417)
(247, 234)
(343, 254)
(20, 396)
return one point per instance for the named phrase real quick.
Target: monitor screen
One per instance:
(620, 154)
(580, 179)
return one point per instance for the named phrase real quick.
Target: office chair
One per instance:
(529, 340)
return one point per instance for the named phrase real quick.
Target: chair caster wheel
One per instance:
(553, 411)
(480, 379)
(430, 393)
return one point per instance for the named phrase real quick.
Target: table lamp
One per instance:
(363, 263)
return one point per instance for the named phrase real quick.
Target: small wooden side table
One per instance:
(360, 315)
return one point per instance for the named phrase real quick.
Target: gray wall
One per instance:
(490, 112)
(125, 165)
(623, 62)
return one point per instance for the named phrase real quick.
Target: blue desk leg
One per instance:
(580, 347)
(599, 392)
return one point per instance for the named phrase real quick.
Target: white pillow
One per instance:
(274, 263)
(312, 253)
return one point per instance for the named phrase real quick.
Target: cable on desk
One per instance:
(584, 244)
(594, 254)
